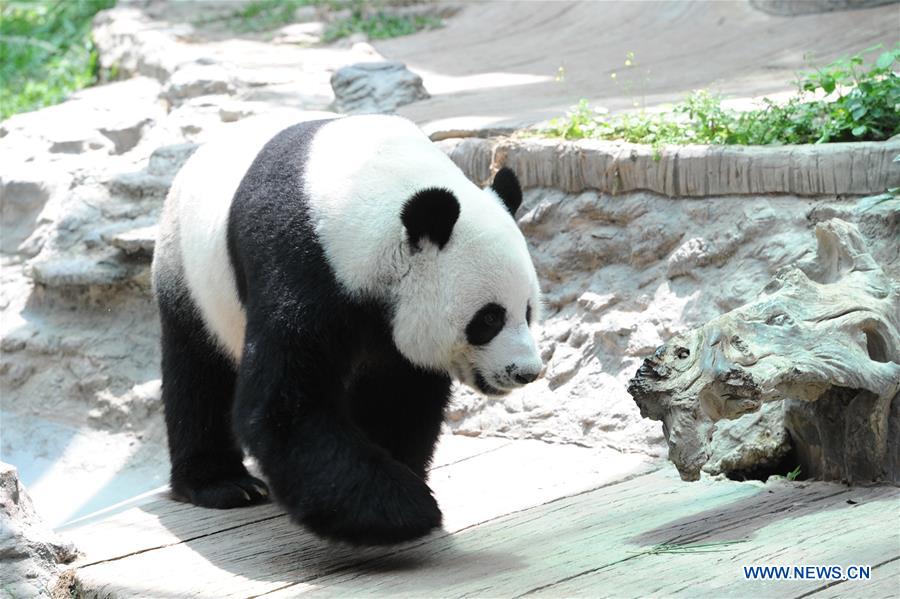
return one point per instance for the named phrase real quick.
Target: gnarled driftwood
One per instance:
(822, 337)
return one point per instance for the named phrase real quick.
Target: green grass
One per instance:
(379, 25)
(365, 17)
(260, 15)
(843, 101)
(46, 52)
(712, 547)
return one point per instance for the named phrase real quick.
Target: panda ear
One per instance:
(431, 213)
(506, 185)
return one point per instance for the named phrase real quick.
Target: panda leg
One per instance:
(401, 408)
(198, 390)
(321, 466)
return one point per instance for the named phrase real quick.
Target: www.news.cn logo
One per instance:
(807, 572)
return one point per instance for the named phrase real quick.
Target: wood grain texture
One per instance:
(884, 584)
(822, 338)
(861, 168)
(814, 525)
(266, 551)
(158, 521)
(521, 552)
(527, 518)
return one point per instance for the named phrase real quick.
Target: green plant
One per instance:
(653, 128)
(868, 101)
(709, 121)
(627, 82)
(46, 52)
(891, 195)
(365, 17)
(714, 547)
(840, 102)
(793, 474)
(379, 25)
(260, 15)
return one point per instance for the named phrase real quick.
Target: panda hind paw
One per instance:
(236, 491)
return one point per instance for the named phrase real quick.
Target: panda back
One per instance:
(201, 198)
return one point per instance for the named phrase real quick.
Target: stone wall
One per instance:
(685, 171)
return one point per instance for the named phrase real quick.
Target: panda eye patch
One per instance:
(528, 314)
(486, 323)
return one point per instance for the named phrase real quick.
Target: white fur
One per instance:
(361, 171)
(203, 192)
(358, 190)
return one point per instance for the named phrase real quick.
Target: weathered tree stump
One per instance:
(822, 337)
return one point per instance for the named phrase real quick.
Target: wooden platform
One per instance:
(521, 518)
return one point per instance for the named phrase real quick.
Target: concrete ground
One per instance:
(527, 61)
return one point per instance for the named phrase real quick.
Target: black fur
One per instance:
(342, 425)
(486, 324)
(506, 185)
(197, 391)
(399, 407)
(431, 214)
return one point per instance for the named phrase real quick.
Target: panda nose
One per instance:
(523, 378)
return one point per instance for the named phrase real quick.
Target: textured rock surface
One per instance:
(196, 80)
(102, 121)
(218, 72)
(130, 43)
(375, 87)
(32, 556)
(300, 33)
(753, 444)
(612, 297)
(24, 192)
(824, 337)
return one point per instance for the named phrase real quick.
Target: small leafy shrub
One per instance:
(260, 15)
(265, 15)
(379, 25)
(46, 52)
(843, 101)
(871, 107)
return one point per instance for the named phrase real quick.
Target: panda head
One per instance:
(468, 295)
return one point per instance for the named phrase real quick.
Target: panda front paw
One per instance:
(383, 506)
(238, 490)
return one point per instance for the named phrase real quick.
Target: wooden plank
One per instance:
(254, 559)
(884, 584)
(814, 525)
(523, 475)
(457, 448)
(517, 553)
(157, 521)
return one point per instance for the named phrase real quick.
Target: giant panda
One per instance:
(319, 289)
